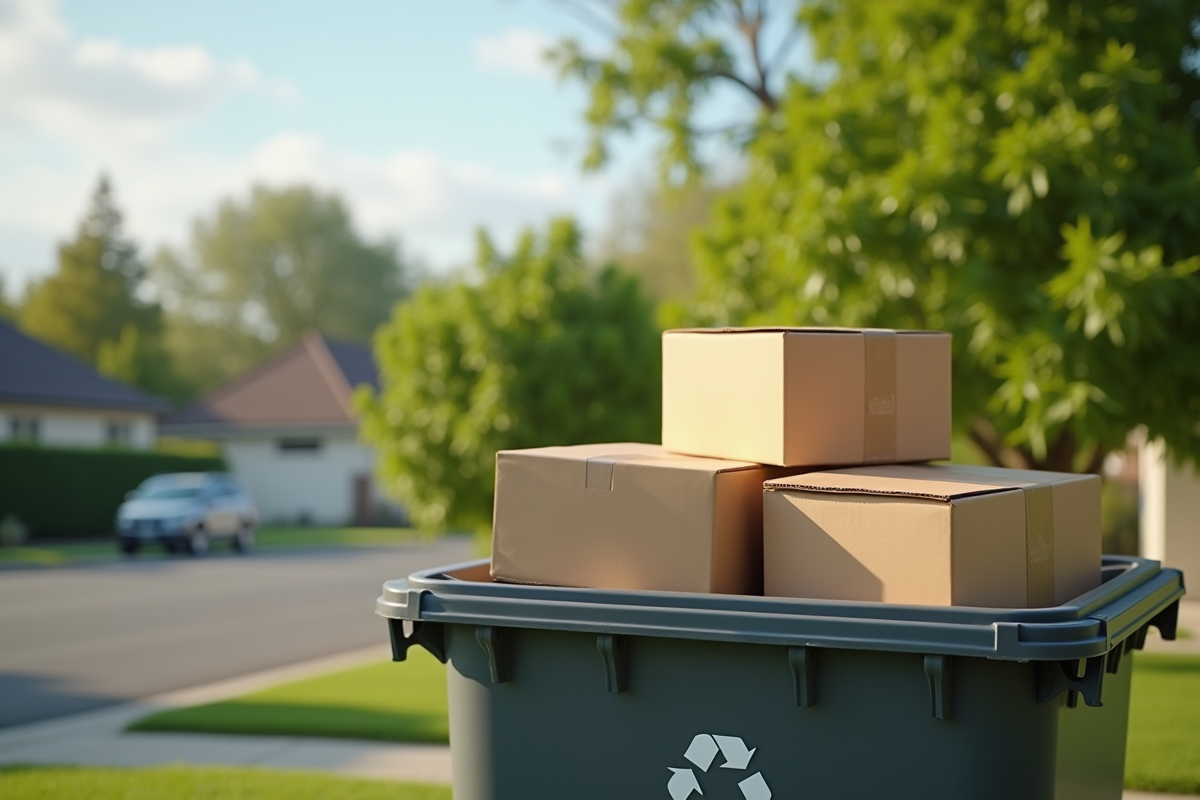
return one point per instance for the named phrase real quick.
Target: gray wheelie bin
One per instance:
(582, 694)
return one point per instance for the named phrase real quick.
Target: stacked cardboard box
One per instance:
(753, 420)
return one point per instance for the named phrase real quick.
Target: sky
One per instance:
(428, 118)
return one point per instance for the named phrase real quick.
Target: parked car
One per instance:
(187, 511)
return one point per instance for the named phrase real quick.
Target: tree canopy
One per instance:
(539, 349)
(89, 305)
(1024, 174)
(8, 309)
(89, 298)
(260, 271)
(650, 232)
(668, 58)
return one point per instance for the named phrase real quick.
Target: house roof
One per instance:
(36, 373)
(311, 385)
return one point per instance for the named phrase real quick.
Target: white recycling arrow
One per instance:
(755, 788)
(683, 782)
(702, 751)
(735, 752)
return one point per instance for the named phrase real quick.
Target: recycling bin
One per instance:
(580, 693)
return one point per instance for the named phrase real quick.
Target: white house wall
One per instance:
(290, 486)
(59, 427)
(1170, 511)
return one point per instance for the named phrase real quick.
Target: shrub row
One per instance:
(67, 492)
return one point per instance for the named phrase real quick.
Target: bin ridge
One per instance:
(1092, 625)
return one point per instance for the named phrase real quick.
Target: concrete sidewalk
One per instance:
(98, 737)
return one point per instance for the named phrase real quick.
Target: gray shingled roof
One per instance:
(35, 373)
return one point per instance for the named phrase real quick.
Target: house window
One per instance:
(24, 429)
(119, 434)
(299, 445)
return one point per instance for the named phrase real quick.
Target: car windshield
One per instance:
(168, 493)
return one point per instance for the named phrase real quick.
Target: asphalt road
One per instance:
(78, 638)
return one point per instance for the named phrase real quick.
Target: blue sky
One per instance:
(430, 118)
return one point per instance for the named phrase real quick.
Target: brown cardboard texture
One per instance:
(628, 516)
(807, 396)
(933, 535)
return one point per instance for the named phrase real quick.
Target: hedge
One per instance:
(68, 492)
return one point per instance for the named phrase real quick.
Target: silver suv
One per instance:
(187, 511)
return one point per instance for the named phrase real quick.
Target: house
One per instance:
(48, 397)
(288, 430)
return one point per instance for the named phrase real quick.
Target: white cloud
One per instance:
(520, 51)
(100, 94)
(71, 109)
(431, 203)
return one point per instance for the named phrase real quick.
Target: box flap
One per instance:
(601, 457)
(944, 483)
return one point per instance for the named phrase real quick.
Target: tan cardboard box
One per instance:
(807, 396)
(933, 535)
(628, 516)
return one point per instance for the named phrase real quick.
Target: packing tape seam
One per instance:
(1039, 544)
(879, 390)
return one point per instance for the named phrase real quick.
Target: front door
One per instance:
(362, 499)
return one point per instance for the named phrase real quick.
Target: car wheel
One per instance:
(128, 546)
(197, 542)
(243, 540)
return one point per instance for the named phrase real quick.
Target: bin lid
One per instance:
(1134, 592)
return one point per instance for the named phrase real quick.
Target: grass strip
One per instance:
(1163, 754)
(346, 537)
(52, 554)
(385, 701)
(28, 782)
(56, 554)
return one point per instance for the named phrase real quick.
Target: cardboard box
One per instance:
(807, 396)
(930, 535)
(628, 516)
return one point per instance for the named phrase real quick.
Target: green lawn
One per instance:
(1164, 725)
(105, 549)
(397, 702)
(199, 783)
(325, 537)
(57, 554)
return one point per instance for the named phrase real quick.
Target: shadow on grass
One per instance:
(286, 719)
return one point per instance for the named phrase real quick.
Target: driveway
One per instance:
(79, 638)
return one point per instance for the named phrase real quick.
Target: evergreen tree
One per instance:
(90, 297)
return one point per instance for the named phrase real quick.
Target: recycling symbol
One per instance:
(701, 752)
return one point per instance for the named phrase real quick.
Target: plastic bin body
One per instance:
(579, 694)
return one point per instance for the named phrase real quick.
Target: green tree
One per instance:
(89, 305)
(7, 309)
(91, 295)
(668, 59)
(143, 361)
(540, 350)
(1025, 174)
(650, 232)
(261, 271)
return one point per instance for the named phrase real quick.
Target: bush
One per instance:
(66, 492)
(538, 348)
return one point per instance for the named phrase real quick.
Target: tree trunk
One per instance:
(1062, 454)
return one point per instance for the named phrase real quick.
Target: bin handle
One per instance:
(405, 633)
